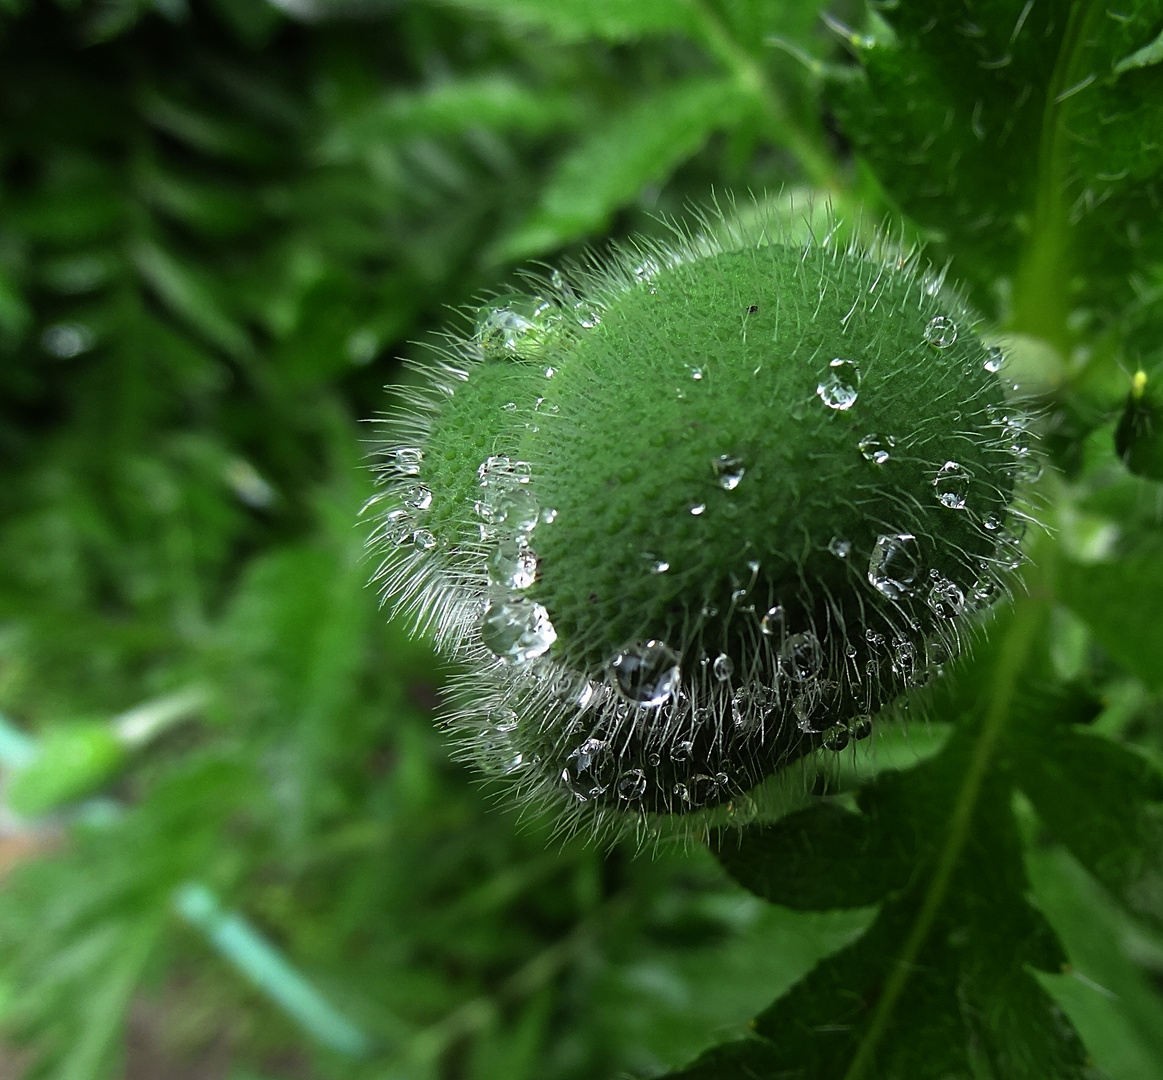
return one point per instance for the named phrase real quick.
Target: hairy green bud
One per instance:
(693, 512)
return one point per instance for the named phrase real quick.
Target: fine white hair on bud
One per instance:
(691, 511)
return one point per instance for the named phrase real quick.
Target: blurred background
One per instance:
(233, 845)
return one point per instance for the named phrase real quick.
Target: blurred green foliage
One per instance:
(221, 222)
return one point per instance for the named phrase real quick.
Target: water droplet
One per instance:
(418, 497)
(941, 332)
(697, 373)
(681, 791)
(548, 515)
(397, 526)
(729, 470)
(702, 789)
(423, 539)
(646, 673)
(502, 720)
(861, 726)
(632, 785)
(904, 659)
(840, 547)
(550, 372)
(588, 769)
(516, 325)
(994, 358)
(724, 667)
(509, 406)
(659, 566)
(698, 508)
(516, 629)
(512, 565)
(801, 655)
(985, 591)
(992, 521)
(406, 461)
(587, 315)
(654, 758)
(709, 611)
(945, 599)
(876, 448)
(952, 485)
(516, 762)
(894, 565)
(517, 510)
(836, 738)
(772, 622)
(840, 385)
(681, 752)
(494, 465)
(873, 638)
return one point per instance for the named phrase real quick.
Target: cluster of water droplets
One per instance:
(404, 524)
(513, 627)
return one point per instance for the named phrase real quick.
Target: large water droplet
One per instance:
(876, 448)
(589, 769)
(418, 497)
(512, 565)
(406, 461)
(994, 358)
(632, 785)
(894, 565)
(836, 738)
(516, 629)
(516, 325)
(424, 540)
(941, 332)
(646, 673)
(502, 720)
(952, 485)
(702, 789)
(840, 385)
(801, 655)
(698, 509)
(729, 470)
(861, 726)
(723, 667)
(681, 752)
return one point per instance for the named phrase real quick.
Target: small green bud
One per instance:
(695, 512)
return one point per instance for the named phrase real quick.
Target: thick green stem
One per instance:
(1042, 284)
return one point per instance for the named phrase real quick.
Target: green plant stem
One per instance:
(1011, 660)
(1041, 286)
(815, 162)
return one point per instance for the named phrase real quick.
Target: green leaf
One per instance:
(1106, 992)
(940, 984)
(191, 298)
(1131, 633)
(495, 102)
(626, 151)
(72, 760)
(1019, 134)
(818, 859)
(1103, 803)
(571, 20)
